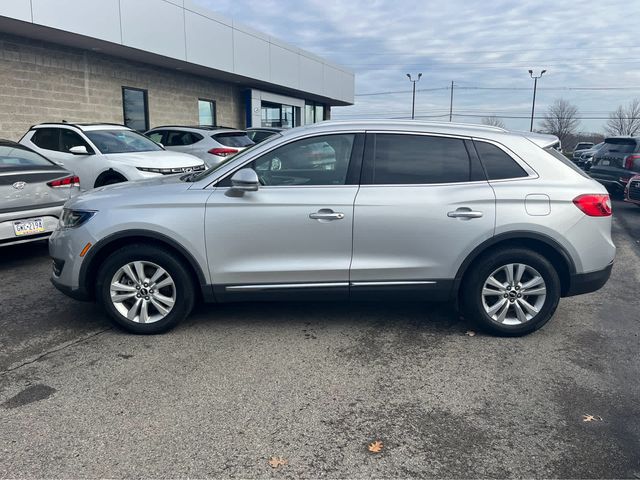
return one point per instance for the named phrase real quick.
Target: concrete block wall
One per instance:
(44, 82)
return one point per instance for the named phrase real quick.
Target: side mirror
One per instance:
(245, 180)
(79, 150)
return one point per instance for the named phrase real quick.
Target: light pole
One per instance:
(535, 87)
(413, 102)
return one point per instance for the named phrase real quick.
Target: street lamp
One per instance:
(535, 87)
(413, 102)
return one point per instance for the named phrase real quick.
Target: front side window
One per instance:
(419, 159)
(135, 108)
(47, 138)
(121, 141)
(206, 112)
(497, 163)
(69, 139)
(320, 160)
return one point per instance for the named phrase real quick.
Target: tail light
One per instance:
(223, 152)
(594, 204)
(628, 161)
(66, 182)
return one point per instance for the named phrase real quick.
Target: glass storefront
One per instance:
(278, 115)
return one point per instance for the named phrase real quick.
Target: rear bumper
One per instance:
(588, 282)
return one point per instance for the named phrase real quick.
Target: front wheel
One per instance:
(511, 293)
(145, 289)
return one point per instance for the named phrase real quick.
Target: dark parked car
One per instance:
(581, 147)
(616, 162)
(632, 192)
(585, 159)
(260, 134)
(33, 190)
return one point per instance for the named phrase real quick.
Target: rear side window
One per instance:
(566, 161)
(234, 139)
(419, 159)
(156, 136)
(498, 164)
(47, 138)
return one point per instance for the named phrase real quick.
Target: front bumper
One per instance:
(580, 283)
(65, 246)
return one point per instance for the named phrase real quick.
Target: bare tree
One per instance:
(493, 121)
(561, 119)
(625, 120)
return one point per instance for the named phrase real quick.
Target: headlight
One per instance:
(168, 171)
(74, 218)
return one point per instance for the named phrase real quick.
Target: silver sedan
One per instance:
(33, 190)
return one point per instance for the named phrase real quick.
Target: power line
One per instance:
(370, 94)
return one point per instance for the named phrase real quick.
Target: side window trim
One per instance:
(477, 173)
(531, 173)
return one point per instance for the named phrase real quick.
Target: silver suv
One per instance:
(338, 210)
(214, 145)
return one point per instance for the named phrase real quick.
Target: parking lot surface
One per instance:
(316, 383)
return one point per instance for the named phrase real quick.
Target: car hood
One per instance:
(128, 191)
(156, 159)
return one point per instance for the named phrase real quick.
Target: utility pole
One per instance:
(413, 101)
(451, 103)
(535, 87)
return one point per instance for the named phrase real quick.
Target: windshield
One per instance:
(618, 145)
(194, 177)
(121, 141)
(11, 156)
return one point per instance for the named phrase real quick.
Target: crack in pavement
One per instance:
(58, 348)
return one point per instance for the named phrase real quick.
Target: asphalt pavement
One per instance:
(314, 384)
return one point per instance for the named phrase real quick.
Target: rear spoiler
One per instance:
(543, 140)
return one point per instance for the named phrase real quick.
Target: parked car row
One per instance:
(615, 163)
(54, 161)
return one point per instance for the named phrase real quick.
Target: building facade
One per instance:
(147, 63)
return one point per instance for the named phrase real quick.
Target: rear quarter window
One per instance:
(498, 164)
(553, 152)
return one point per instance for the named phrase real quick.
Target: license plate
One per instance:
(605, 163)
(28, 227)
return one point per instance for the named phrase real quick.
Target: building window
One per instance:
(278, 115)
(313, 112)
(206, 112)
(135, 108)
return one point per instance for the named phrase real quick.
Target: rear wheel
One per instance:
(511, 293)
(145, 289)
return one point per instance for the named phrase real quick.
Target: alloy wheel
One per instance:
(514, 294)
(143, 292)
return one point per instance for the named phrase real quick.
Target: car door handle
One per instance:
(326, 214)
(465, 213)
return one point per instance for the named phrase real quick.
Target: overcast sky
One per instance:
(487, 44)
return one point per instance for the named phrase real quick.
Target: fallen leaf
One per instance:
(470, 333)
(276, 462)
(591, 418)
(375, 447)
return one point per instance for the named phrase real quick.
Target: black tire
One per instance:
(471, 298)
(182, 288)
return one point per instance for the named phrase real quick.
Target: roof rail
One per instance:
(77, 124)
